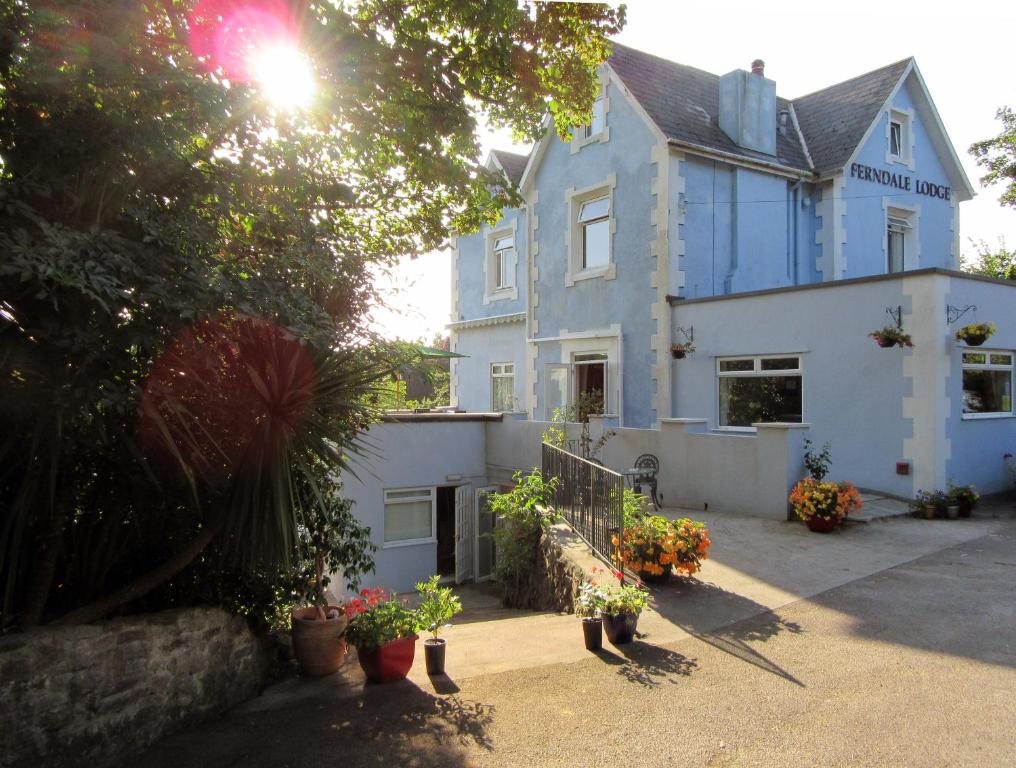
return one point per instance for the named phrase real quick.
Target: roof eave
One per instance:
(772, 167)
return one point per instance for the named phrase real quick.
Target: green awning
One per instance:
(433, 353)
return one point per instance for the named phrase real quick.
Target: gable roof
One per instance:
(511, 163)
(684, 102)
(835, 119)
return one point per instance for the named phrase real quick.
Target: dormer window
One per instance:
(595, 128)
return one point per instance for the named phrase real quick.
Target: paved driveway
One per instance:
(887, 644)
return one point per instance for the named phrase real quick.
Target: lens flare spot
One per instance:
(283, 75)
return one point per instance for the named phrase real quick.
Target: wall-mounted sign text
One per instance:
(899, 181)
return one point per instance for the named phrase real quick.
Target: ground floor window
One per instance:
(590, 383)
(987, 382)
(502, 385)
(409, 515)
(759, 389)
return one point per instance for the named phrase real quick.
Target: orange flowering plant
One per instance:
(813, 498)
(652, 544)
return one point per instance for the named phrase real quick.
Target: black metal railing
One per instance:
(589, 497)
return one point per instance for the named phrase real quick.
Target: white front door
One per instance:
(465, 533)
(484, 558)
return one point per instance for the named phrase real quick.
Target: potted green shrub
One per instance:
(965, 497)
(438, 606)
(891, 336)
(975, 334)
(621, 610)
(588, 608)
(923, 505)
(383, 630)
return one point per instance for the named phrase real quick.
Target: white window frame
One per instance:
(989, 366)
(905, 219)
(591, 357)
(425, 493)
(503, 374)
(904, 118)
(504, 277)
(583, 135)
(493, 273)
(756, 373)
(574, 234)
(590, 220)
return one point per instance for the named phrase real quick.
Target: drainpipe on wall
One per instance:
(795, 192)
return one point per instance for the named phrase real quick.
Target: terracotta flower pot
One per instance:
(434, 653)
(388, 662)
(620, 629)
(318, 645)
(592, 633)
(821, 524)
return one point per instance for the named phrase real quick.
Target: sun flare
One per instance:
(284, 76)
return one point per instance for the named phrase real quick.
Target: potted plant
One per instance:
(681, 351)
(331, 541)
(975, 334)
(383, 630)
(923, 505)
(620, 611)
(891, 336)
(588, 608)
(964, 497)
(653, 545)
(438, 606)
(824, 505)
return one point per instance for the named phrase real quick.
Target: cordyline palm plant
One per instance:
(247, 416)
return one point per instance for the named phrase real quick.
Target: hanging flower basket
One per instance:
(891, 336)
(681, 351)
(975, 334)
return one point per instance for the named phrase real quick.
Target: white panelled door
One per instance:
(465, 532)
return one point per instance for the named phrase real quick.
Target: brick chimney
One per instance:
(758, 67)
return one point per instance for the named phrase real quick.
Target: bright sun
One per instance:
(284, 76)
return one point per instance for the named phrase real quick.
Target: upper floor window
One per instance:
(759, 389)
(987, 384)
(594, 219)
(900, 140)
(595, 127)
(504, 262)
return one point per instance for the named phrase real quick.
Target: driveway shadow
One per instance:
(393, 724)
(724, 619)
(647, 665)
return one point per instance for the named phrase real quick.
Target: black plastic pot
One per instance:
(975, 341)
(592, 632)
(434, 651)
(620, 629)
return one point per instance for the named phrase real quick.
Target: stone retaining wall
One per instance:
(90, 695)
(563, 562)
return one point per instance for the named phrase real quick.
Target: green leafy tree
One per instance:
(997, 262)
(184, 276)
(998, 156)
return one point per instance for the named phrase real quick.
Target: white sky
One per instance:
(961, 49)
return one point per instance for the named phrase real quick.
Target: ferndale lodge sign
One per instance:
(899, 181)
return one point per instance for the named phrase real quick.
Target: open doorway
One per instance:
(446, 531)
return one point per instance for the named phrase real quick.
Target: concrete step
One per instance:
(879, 508)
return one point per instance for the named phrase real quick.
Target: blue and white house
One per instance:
(775, 234)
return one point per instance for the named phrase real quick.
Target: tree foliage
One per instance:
(997, 262)
(998, 156)
(160, 220)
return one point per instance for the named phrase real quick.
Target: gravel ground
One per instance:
(910, 666)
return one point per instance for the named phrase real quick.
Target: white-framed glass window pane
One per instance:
(594, 209)
(409, 515)
(596, 244)
(596, 126)
(502, 243)
(759, 389)
(987, 382)
(896, 247)
(895, 138)
(504, 262)
(502, 387)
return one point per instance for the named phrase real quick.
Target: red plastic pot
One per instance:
(388, 662)
(821, 524)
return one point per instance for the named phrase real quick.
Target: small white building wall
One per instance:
(471, 386)
(411, 454)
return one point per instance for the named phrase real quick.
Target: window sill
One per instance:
(737, 430)
(597, 138)
(502, 294)
(607, 273)
(407, 543)
(988, 416)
